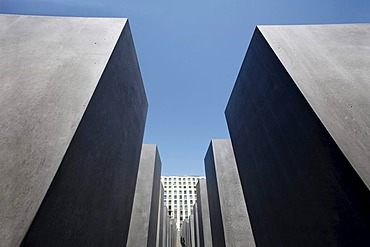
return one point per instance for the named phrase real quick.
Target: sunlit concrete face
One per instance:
(205, 235)
(298, 118)
(147, 204)
(73, 111)
(228, 212)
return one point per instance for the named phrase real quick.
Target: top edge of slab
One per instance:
(329, 64)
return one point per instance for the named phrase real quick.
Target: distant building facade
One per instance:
(180, 195)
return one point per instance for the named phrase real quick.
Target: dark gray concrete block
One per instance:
(205, 234)
(330, 69)
(145, 223)
(192, 230)
(164, 233)
(298, 118)
(228, 212)
(196, 224)
(73, 111)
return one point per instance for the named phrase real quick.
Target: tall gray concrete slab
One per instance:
(143, 229)
(161, 221)
(165, 226)
(173, 234)
(228, 212)
(73, 111)
(196, 225)
(332, 73)
(192, 230)
(205, 234)
(298, 119)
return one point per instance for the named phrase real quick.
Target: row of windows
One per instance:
(179, 187)
(165, 178)
(183, 183)
(175, 202)
(180, 197)
(180, 192)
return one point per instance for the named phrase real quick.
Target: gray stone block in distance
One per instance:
(72, 116)
(205, 234)
(144, 225)
(196, 224)
(299, 120)
(228, 212)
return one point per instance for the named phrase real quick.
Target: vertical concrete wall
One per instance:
(73, 111)
(144, 225)
(165, 226)
(205, 235)
(228, 213)
(196, 224)
(185, 237)
(192, 230)
(296, 168)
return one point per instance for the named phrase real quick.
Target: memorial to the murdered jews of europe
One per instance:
(75, 171)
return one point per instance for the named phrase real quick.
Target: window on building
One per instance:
(175, 197)
(191, 196)
(185, 202)
(180, 202)
(175, 187)
(180, 218)
(169, 196)
(175, 191)
(191, 202)
(165, 187)
(175, 202)
(190, 192)
(181, 212)
(174, 178)
(184, 196)
(183, 178)
(169, 201)
(180, 196)
(165, 178)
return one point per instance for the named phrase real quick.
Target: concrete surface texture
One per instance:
(228, 212)
(196, 224)
(205, 234)
(192, 230)
(145, 223)
(73, 109)
(332, 73)
(298, 118)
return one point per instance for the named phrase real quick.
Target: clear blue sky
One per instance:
(190, 53)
